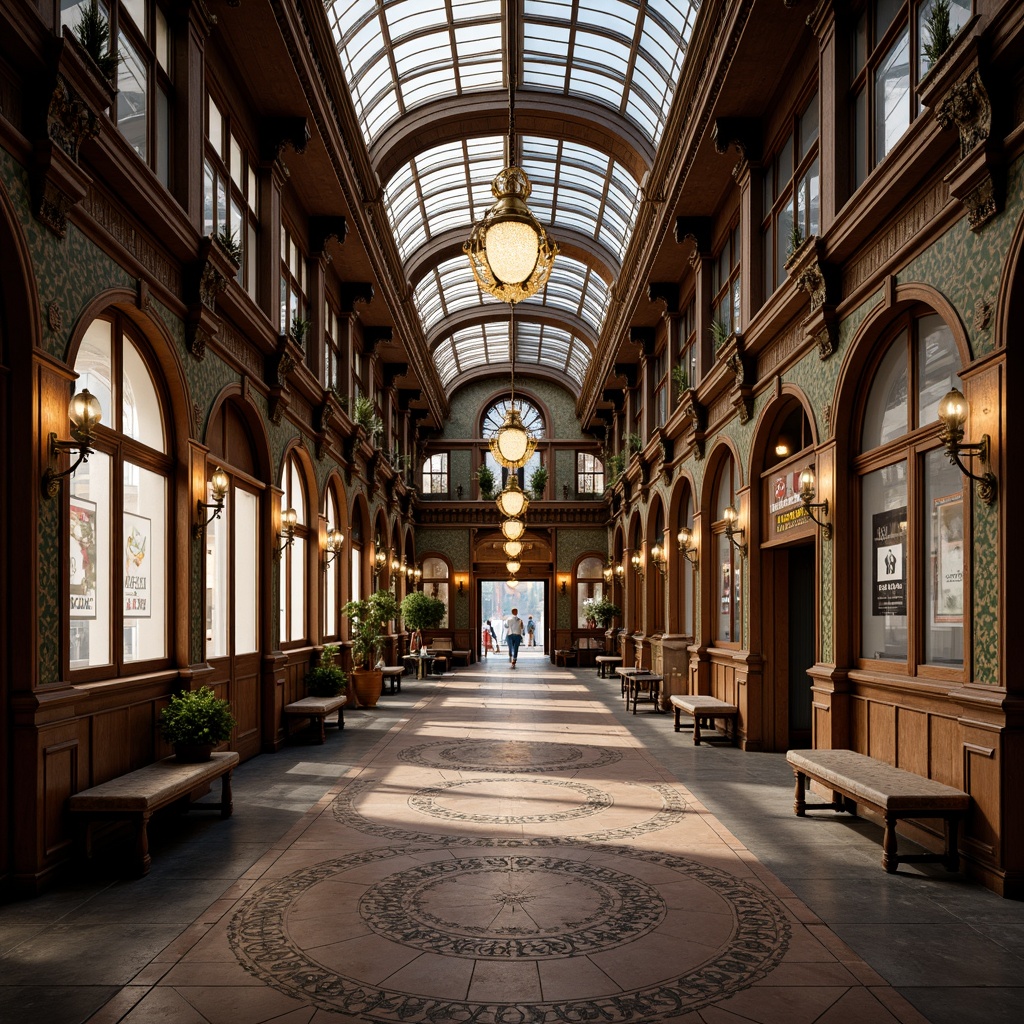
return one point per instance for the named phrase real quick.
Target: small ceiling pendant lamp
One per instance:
(513, 529)
(509, 251)
(513, 548)
(512, 502)
(512, 583)
(512, 445)
(513, 566)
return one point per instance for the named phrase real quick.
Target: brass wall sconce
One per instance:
(335, 539)
(289, 517)
(219, 487)
(563, 584)
(85, 414)
(380, 559)
(953, 411)
(608, 572)
(396, 565)
(659, 559)
(461, 588)
(620, 573)
(687, 545)
(732, 529)
(637, 561)
(808, 489)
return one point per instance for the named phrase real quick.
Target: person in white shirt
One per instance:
(513, 635)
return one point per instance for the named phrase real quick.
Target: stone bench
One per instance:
(393, 677)
(317, 709)
(893, 793)
(138, 795)
(604, 662)
(704, 709)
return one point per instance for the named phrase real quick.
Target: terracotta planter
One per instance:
(192, 753)
(367, 684)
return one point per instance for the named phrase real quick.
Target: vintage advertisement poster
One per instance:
(889, 537)
(949, 559)
(785, 505)
(137, 531)
(82, 557)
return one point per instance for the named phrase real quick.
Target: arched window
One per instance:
(118, 507)
(728, 565)
(293, 558)
(589, 584)
(334, 572)
(656, 617)
(534, 423)
(636, 585)
(436, 576)
(912, 597)
(683, 580)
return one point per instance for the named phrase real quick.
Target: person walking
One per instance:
(530, 627)
(494, 636)
(485, 638)
(513, 635)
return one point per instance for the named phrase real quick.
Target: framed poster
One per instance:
(82, 558)
(137, 530)
(949, 559)
(889, 589)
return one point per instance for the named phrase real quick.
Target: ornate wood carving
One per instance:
(697, 414)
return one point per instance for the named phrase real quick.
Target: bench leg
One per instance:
(890, 858)
(952, 858)
(341, 717)
(226, 802)
(696, 730)
(142, 857)
(800, 795)
(320, 722)
(675, 724)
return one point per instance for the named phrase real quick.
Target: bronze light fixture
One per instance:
(513, 529)
(289, 517)
(953, 410)
(512, 502)
(85, 414)
(219, 489)
(687, 542)
(732, 529)
(637, 561)
(659, 559)
(808, 489)
(335, 540)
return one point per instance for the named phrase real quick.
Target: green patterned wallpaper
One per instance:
(569, 544)
(453, 545)
(467, 404)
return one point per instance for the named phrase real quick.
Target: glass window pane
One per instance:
(723, 598)
(892, 97)
(141, 415)
(217, 580)
(297, 572)
(132, 96)
(246, 557)
(89, 564)
(357, 574)
(94, 366)
(937, 363)
(944, 569)
(145, 564)
(884, 567)
(885, 416)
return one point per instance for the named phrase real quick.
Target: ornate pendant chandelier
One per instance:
(513, 566)
(512, 502)
(509, 251)
(513, 529)
(512, 445)
(513, 548)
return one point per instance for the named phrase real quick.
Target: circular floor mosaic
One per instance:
(511, 907)
(324, 933)
(508, 756)
(483, 800)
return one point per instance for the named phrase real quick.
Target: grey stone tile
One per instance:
(967, 1005)
(51, 1004)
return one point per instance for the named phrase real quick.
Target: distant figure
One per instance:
(530, 628)
(494, 636)
(514, 635)
(485, 637)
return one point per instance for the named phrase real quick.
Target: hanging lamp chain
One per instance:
(511, 89)
(512, 351)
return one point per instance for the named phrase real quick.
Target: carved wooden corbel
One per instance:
(697, 414)
(742, 393)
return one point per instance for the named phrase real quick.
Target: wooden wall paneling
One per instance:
(982, 779)
(245, 700)
(860, 733)
(60, 779)
(912, 740)
(143, 719)
(945, 756)
(882, 731)
(111, 745)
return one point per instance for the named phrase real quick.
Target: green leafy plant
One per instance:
(422, 611)
(366, 416)
(485, 478)
(299, 329)
(719, 334)
(939, 31)
(326, 679)
(680, 381)
(614, 465)
(538, 481)
(600, 610)
(230, 245)
(796, 239)
(93, 31)
(634, 443)
(196, 717)
(369, 618)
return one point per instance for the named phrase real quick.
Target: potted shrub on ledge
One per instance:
(369, 619)
(326, 679)
(194, 723)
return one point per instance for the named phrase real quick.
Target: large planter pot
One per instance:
(192, 753)
(367, 684)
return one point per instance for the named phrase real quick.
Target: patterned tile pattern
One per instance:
(508, 756)
(508, 794)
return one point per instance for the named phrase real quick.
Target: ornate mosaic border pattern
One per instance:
(259, 939)
(507, 756)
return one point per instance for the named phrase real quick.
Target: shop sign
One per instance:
(949, 559)
(784, 502)
(82, 558)
(889, 593)
(137, 530)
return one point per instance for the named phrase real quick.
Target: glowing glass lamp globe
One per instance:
(512, 502)
(513, 548)
(513, 445)
(513, 566)
(513, 529)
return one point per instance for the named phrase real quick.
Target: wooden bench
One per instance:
(443, 647)
(564, 656)
(704, 709)
(893, 793)
(317, 709)
(605, 662)
(138, 795)
(643, 681)
(393, 677)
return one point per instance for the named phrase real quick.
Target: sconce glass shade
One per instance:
(656, 553)
(731, 516)
(219, 484)
(509, 251)
(289, 517)
(607, 572)
(953, 410)
(636, 559)
(513, 445)
(417, 574)
(620, 570)
(808, 485)
(684, 537)
(513, 548)
(513, 566)
(85, 413)
(335, 539)
(512, 502)
(513, 529)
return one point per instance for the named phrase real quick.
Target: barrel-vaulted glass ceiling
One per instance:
(619, 61)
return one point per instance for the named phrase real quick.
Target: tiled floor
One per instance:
(505, 847)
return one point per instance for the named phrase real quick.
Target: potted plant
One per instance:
(231, 246)
(194, 722)
(422, 611)
(299, 330)
(369, 619)
(326, 679)
(93, 31)
(614, 465)
(681, 381)
(485, 478)
(940, 32)
(634, 443)
(538, 481)
(365, 417)
(601, 610)
(719, 334)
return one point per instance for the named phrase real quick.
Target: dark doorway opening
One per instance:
(802, 626)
